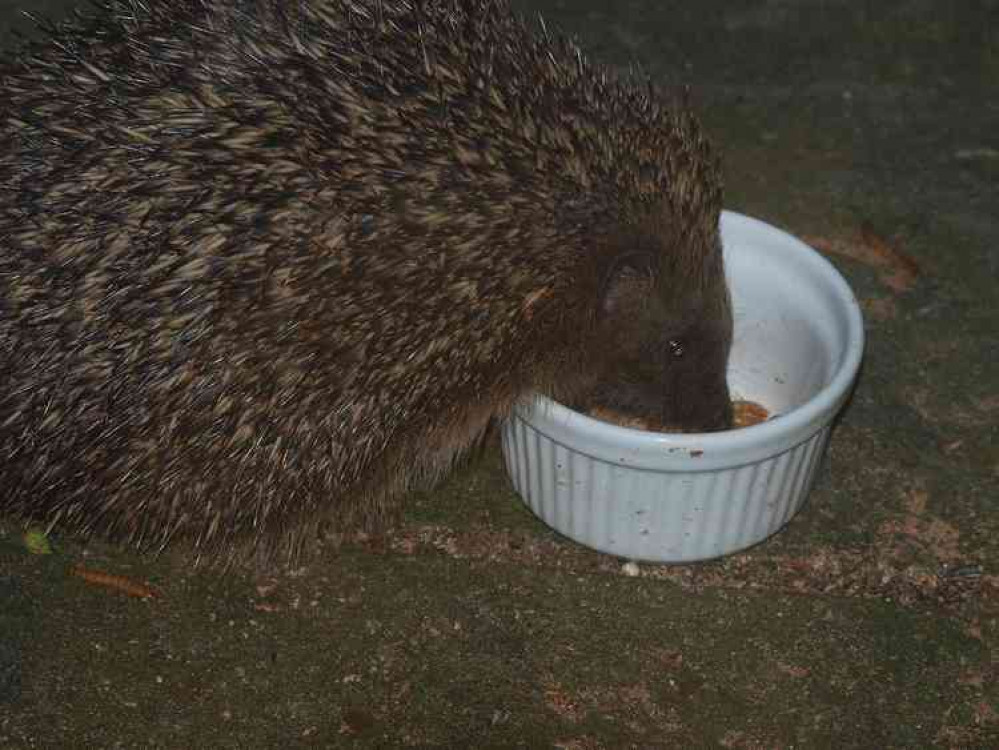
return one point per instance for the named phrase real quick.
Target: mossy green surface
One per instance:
(869, 622)
(432, 650)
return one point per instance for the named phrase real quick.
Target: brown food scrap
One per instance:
(118, 583)
(744, 414)
(356, 720)
(747, 413)
(622, 420)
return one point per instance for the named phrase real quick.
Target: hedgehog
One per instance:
(266, 266)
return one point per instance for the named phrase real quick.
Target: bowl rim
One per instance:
(698, 451)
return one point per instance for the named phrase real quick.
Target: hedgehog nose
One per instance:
(714, 415)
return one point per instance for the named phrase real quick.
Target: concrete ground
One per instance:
(870, 622)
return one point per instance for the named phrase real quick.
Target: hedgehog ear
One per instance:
(630, 278)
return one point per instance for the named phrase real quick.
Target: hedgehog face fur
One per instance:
(265, 265)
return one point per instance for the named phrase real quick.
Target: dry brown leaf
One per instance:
(881, 309)
(897, 270)
(902, 270)
(560, 702)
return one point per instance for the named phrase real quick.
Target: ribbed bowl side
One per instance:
(658, 516)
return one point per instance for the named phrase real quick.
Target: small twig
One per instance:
(118, 583)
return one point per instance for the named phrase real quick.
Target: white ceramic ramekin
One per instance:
(798, 343)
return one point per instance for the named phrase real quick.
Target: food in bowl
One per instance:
(745, 413)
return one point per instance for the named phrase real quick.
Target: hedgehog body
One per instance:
(267, 265)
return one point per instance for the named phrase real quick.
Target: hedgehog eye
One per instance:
(676, 348)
